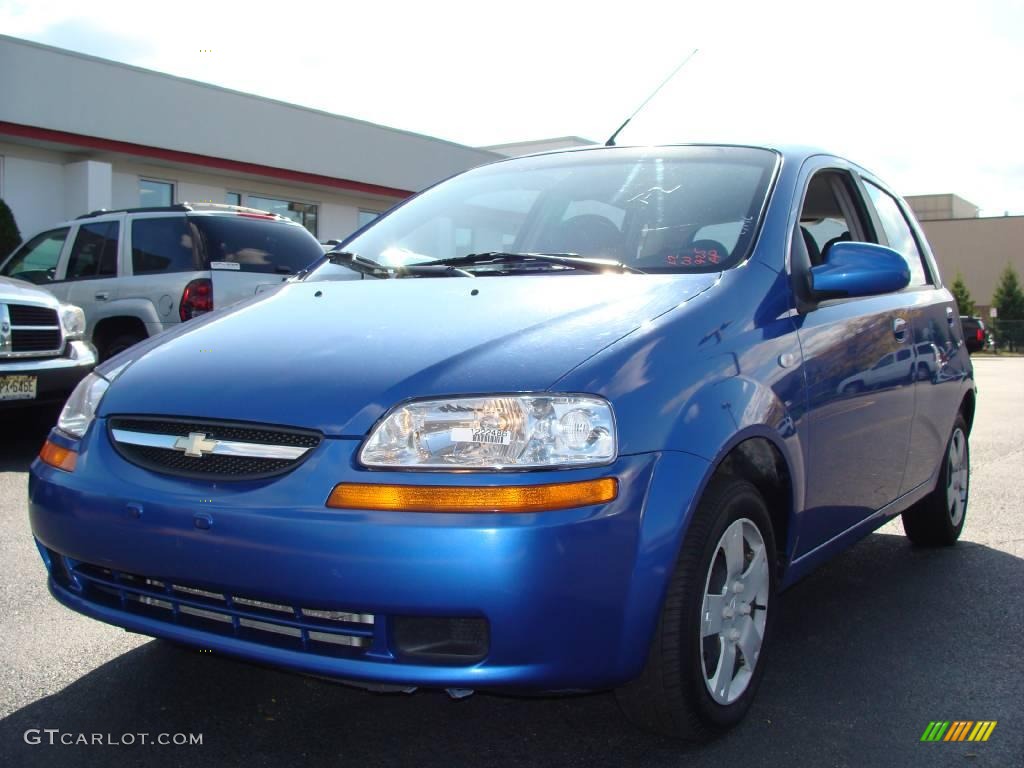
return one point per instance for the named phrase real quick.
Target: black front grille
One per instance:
(324, 631)
(34, 341)
(24, 314)
(211, 466)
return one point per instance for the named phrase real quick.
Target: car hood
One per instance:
(334, 356)
(13, 290)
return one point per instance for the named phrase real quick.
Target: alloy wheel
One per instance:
(957, 477)
(735, 611)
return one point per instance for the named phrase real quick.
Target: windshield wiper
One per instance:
(376, 269)
(571, 260)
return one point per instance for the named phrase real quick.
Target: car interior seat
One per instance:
(589, 235)
(828, 246)
(813, 253)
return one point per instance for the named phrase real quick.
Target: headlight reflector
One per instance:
(72, 319)
(80, 409)
(494, 432)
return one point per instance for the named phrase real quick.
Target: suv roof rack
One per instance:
(184, 207)
(148, 209)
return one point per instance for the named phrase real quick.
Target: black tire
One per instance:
(933, 521)
(118, 344)
(670, 697)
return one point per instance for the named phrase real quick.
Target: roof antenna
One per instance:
(611, 139)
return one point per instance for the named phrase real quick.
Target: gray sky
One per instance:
(929, 95)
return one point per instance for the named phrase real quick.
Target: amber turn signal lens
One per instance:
(58, 456)
(449, 498)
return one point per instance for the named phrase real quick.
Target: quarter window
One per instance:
(163, 244)
(94, 253)
(898, 232)
(36, 261)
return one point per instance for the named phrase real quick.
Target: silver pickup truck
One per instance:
(43, 352)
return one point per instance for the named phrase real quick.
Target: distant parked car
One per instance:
(42, 352)
(574, 430)
(975, 333)
(139, 271)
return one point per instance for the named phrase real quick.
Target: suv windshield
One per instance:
(666, 209)
(257, 244)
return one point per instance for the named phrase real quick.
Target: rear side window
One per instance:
(897, 232)
(163, 244)
(36, 260)
(257, 245)
(94, 253)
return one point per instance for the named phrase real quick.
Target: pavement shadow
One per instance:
(869, 649)
(22, 434)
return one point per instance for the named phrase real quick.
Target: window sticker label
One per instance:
(488, 436)
(225, 265)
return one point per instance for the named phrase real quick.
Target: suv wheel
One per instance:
(117, 345)
(938, 518)
(704, 664)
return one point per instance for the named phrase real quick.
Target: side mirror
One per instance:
(859, 269)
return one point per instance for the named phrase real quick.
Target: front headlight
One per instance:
(80, 409)
(72, 319)
(494, 432)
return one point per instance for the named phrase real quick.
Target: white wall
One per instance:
(33, 187)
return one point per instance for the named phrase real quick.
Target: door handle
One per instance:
(949, 315)
(899, 329)
(102, 295)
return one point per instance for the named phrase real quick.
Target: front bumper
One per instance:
(570, 597)
(55, 376)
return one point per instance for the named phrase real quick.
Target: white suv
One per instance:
(139, 271)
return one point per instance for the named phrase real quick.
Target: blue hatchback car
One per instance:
(583, 417)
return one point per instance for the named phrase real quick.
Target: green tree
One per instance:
(1009, 303)
(964, 302)
(10, 238)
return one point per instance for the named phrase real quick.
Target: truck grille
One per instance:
(212, 450)
(27, 330)
(324, 631)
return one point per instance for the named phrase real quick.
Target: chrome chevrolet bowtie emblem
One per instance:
(195, 445)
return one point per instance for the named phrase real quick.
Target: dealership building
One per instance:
(80, 133)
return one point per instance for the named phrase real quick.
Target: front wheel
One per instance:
(938, 518)
(704, 664)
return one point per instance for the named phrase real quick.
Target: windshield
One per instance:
(665, 209)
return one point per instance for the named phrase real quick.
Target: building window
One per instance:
(233, 198)
(303, 213)
(365, 217)
(155, 193)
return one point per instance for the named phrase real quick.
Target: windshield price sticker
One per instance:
(488, 436)
(225, 265)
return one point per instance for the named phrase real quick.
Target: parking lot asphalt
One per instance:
(869, 650)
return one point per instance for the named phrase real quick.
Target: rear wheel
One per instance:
(938, 519)
(704, 663)
(118, 344)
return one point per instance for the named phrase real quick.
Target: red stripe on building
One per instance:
(206, 161)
